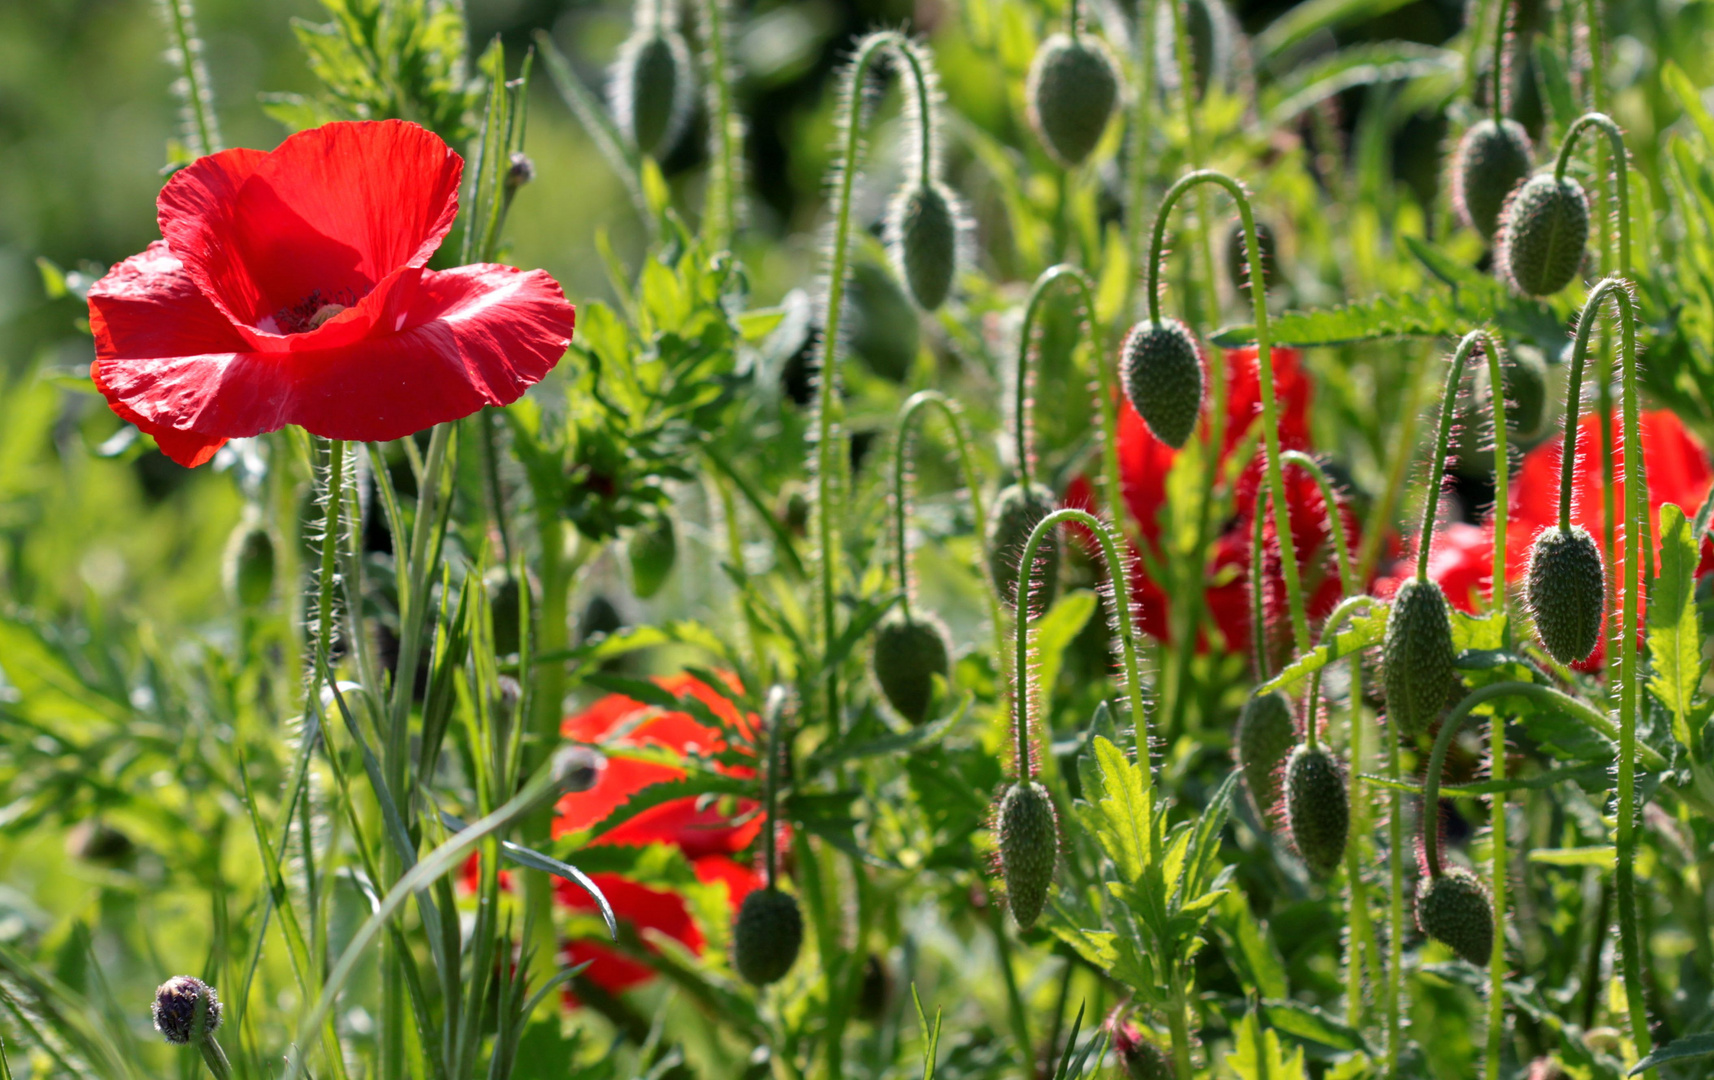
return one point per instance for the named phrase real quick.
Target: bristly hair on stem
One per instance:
(725, 211)
(196, 99)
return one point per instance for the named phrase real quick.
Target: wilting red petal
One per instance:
(478, 335)
(330, 212)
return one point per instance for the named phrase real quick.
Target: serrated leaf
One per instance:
(1360, 633)
(1260, 966)
(1314, 1025)
(1055, 631)
(1424, 314)
(1689, 1048)
(1124, 811)
(1258, 1056)
(1674, 638)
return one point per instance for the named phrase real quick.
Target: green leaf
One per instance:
(1260, 966)
(1358, 65)
(1124, 813)
(1555, 82)
(1688, 1048)
(1601, 857)
(1420, 314)
(1055, 631)
(1311, 18)
(1361, 633)
(1258, 1055)
(1313, 1025)
(1675, 641)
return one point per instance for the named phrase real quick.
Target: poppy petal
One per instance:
(473, 336)
(322, 219)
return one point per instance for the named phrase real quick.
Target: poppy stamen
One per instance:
(312, 311)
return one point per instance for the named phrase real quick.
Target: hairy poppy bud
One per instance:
(1317, 808)
(1072, 89)
(652, 548)
(177, 1002)
(1567, 592)
(1491, 160)
(650, 88)
(1266, 734)
(1417, 672)
(1524, 377)
(1141, 1056)
(909, 652)
(599, 617)
(249, 566)
(505, 610)
(766, 936)
(520, 172)
(1029, 847)
(922, 233)
(577, 768)
(1238, 256)
(1016, 514)
(885, 331)
(1543, 232)
(1455, 910)
(1162, 369)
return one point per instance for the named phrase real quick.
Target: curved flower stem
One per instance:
(1499, 95)
(776, 714)
(1616, 144)
(1437, 463)
(1502, 459)
(1121, 583)
(726, 175)
(1079, 281)
(1335, 520)
(1258, 600)
(1264, 358)
(830, 457)
(954, 415)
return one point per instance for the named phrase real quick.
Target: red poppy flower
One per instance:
(1144, 465)
(290, 288)
(1678, 473)
(708, 837)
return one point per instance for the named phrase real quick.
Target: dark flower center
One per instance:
(313, 310)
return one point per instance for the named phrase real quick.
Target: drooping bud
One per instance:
(885, 333)
(1318, 808)
(177, 1003)
(922, 227)
(766, 936)
(650, 87)
(1490, 162)
(577, 768)
(1544, 230)
(909, 651)
(1238, 256)
(1456, 911)
(1417, 671)
(1567, 592)
(652, 548)
(1266, 734)
(1029, 848)
(520, 172)
(1162, 370)
(1071, 92)
(1016, 514)
(249, 564)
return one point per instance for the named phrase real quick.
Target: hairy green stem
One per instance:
(725, 175)
(203, 131)
(1258, 599)
(1437, 463)
(1498, 96)
(830, 459)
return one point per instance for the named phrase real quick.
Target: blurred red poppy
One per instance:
(1145, 463)
(708, 836)
(1678, 472)
(290, 288)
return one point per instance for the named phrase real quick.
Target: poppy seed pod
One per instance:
(1491, 160)
(1417, 672)
(1455, 910)
(249, 565)
(1567, 592)
(1318, 808)
(1266, 734)
(176, 1004)
(1544, 230)
(1016, 514)
(1071, 92)
(652, 550)
(1162, 369)
(766, 936)
(909, 651)
(1029, 848)
(650, 88)
(922, 233)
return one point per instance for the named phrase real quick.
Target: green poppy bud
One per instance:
(766, 936)
(1417, 672)
(909, 651)
(1490, 162)
(1072, 90)
(922, 226)
(1162, 370)
(1456, 911)
(652, 548)
(1029, 848)
(1016, 514)
(1544, 230)
(1266, 734)
(1567, 593)
(1318, 808)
